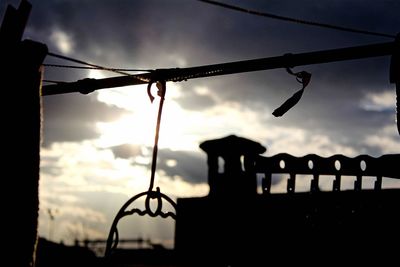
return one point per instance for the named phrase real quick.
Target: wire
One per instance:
(306, 22)
(93, 68)
(52, 81)
(87, 63)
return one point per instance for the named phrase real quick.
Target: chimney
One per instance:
(235, 179)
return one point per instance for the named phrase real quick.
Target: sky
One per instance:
(96, 148)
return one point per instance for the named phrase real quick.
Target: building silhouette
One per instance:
(234, 225)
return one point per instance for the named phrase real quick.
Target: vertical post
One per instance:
(291, 184)
(20, 77)
(378, 183)
(336, 183)
(358, 183)
(398, 105)
(266, 183)
(395, 77)
(315, 183)
(212, 162)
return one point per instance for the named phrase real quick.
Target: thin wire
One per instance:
(87, 63)
(52, 81)
(93, 68)
(306, 22)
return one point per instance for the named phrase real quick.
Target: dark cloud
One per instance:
(191, 166)
(72, 117)
(332, 102)
(192, 100)
(146, 33)
(149, 30)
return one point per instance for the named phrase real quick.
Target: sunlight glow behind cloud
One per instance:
(63, 41)
(180, 129)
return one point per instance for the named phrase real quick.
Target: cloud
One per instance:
(380, 101)
(188, 165)
(82, 166)
(73, 117)
(197, 98)
(181, 187)
(299, 142)
(384, 141)
(126, 151)
(85, 186)
(109, 32)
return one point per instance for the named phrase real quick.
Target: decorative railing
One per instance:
(337, 165)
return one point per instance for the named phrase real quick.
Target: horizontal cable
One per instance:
(86, 63)
(300, 21)
(93, 68)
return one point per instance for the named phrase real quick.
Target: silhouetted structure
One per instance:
(232, 228)
(51, 254)
(20, 76)
(237, 154)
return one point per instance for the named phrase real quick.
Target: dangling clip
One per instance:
(302, 77)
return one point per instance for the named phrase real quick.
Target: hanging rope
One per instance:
(113, 237)
(161, 93)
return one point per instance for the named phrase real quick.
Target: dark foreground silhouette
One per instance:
(236, 226)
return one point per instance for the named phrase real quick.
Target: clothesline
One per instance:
(183, 74)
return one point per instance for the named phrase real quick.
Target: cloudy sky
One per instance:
(96, 148)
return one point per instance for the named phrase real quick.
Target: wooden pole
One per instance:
(20, 78)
